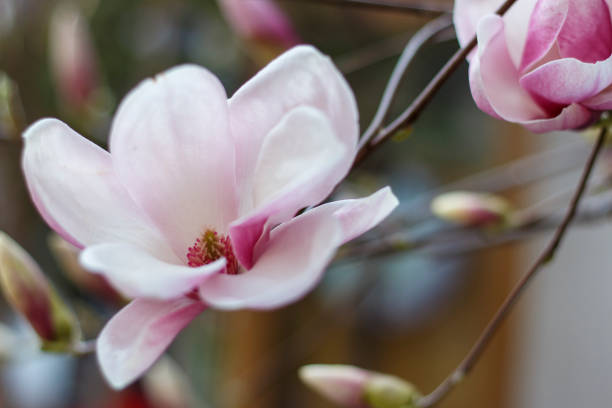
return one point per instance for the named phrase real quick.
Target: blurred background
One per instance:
(411, 312)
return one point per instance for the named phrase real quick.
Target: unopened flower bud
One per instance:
(342, 384)
(30, 294)
(354, 387)
(73, 59)
(471, 209)
(262, 24)
(12, 118)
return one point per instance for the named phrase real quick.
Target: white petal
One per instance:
(75, 188)
(300, 77)
(136, 273)
(300, 163)
(171, 147)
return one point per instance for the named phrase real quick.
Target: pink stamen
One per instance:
(210, 247)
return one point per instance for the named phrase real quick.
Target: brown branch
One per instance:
(412, 113)
(500, 316)
(415, 7)
(417, 41)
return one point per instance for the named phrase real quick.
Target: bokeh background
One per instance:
(411, 313)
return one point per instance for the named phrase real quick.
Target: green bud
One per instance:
(30, 294)
(12, 119)
(386, 391)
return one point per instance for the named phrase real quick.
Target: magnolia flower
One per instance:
(547, 64)
(195, 204)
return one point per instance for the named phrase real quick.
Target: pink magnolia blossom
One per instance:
(195, 204)
(547, 64)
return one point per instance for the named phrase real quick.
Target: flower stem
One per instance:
(500, 316)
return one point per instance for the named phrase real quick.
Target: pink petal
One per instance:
(568, 80)
(602, 101)
(545, 24)
(499, 76)
(138, 334)
(300, 77)
(478, 91)
(587, 31)
(571, 117)
(294, 258)
(292, 263)
(300, 162)
(74, 187)
(171, 148)
(358, 216)
(137, 273)
(467, 14)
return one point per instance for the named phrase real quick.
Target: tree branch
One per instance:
(500, 316)
(412, 113)
(418, 7)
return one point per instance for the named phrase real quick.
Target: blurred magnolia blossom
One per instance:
(263, 24)
(29, 292)
(67, 256)
(73, 56)
(195, 204)
(547, 64)
(353, 387)
(471, 209)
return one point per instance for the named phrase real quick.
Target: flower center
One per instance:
(210, 247)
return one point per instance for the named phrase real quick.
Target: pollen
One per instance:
(210, 247)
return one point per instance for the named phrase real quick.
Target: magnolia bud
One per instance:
(471, 209)
(30, 294)
(263, 24)
(354, 387)
(342, 384)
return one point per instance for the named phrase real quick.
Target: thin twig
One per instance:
(420, 38)
(483, 341)
(415, 7)
(411, 114)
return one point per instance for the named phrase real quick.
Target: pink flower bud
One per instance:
(354, 387)
(471, 209)
(342, 384)
(73, 59)
(30, 294)
(261, 21)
